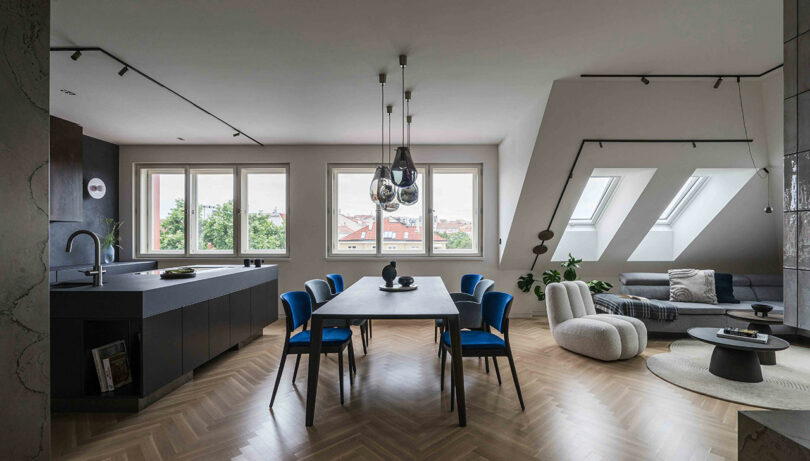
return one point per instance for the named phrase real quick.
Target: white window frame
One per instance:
(192, 222)
(239, 171)
(429, 253)
(244, 241)
(607, 195)
(682, 199)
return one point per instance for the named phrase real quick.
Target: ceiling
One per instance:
(301, 71)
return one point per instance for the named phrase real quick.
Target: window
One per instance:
(357, 227)
(593, 200)
(233, 210)
(681, 199)
(264, 215)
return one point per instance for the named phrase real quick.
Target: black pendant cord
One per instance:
(382, 120)
(639, 141)
(389, 134)
(144, 75)
(402, 64)
(745, 127)
(409, 122)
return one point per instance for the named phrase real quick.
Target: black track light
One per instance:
(694, 145)
(123, 71)
(600, 144)
(236, 134)
(76, 55)
(645, 81)
(718, 82)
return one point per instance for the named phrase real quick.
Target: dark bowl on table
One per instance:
(761, 309)
(406, 280)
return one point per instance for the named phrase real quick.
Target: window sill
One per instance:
(403, 258)
(235, 259)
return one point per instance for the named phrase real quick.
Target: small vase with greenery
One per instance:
(569, 273)
(110, 239)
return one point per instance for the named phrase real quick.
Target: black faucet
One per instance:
(97, 269)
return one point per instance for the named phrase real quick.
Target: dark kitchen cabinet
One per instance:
(219, 325)
(240, 316)
(162, 344)
(195, 335)
(258, 309)
(272, 301)
(65, 171)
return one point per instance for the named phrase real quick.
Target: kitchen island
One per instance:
(170, 327)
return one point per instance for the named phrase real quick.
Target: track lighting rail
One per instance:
(715, 76)
(77, 52)
(601, 143)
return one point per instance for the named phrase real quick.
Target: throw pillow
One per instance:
(724, 288)
(692, 285)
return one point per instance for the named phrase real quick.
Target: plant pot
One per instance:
(108, 254)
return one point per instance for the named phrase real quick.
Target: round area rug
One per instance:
(785, 386)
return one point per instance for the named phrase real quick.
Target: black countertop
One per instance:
(59, 274)
(143, 294)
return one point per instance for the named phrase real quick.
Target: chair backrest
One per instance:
(495, 308)
(335, 282)
(482, 287)
(469, 315)
(319, 292)
(297, 308)
(568, 300)
(468, 282)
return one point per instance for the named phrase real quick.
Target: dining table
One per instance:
(365, 300)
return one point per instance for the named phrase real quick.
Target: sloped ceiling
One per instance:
(305, 71)
(741, 237)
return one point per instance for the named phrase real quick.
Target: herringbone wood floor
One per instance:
(576, 408)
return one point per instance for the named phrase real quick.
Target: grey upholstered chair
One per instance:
(576, 326)
(477, 295)
(320, 293)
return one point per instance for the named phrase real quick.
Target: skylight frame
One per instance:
(607, 194)
(682, 199)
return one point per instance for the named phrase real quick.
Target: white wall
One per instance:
(308, 217)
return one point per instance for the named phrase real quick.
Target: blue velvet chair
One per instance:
(483, 286)
(298, 309)
(319, 294)
(469, 281)
(494, 313)
(336, 285)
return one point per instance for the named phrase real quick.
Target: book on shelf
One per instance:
(120, 373)
(108, 352)
(743, 335)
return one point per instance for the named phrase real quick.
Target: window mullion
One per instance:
(378, 236)
(188, 212)
(237, 211)
(428, 184)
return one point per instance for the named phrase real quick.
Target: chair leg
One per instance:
(514, 376)
(352, 365)
(444, 361)
(340, 372)
(278, 376)
(435, 332)
(497, 371)
(452, 386)
(370, 330)
(297, 361)
(486, 364)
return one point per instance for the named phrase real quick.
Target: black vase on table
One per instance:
(389, 273)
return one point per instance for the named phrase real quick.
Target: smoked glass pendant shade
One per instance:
(403, 171)
(382, 190)
(408, 195)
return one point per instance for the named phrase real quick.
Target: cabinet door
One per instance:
(162, 349)
(258, 309)
(219, 325)
(195, 335)
(240, 316)
(272, 301)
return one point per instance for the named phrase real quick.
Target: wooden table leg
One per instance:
(458, 369)
(316, 334)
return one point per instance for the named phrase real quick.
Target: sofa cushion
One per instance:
(692, 285)
(644, 278)
(724, 289)
(690, 308)
(743, 293)
(765, 280)
(646, 291)
(767, 293)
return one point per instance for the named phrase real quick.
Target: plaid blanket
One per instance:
(640, 308)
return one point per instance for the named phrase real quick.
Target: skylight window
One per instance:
(593, 199)
(681, 200)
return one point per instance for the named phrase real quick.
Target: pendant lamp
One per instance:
(381, 189)
(403, 170)
(393, 205)
(408, 195)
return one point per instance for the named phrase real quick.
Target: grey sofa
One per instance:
(748, 289)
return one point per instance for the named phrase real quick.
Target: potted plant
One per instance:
(110, 239)
(569, 273)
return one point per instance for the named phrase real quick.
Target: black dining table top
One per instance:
(364, 299)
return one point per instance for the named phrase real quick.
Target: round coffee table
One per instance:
(762, 325)
(736, 359)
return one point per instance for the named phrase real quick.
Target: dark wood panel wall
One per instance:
(65, 171)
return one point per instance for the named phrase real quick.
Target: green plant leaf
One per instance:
(598, 286)
(525, 282)
(551, 276)
(570, 274)
(538, 291)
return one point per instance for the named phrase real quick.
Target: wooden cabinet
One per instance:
(195, 335)
(240, 316)
(219, 325)
(65, 171)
